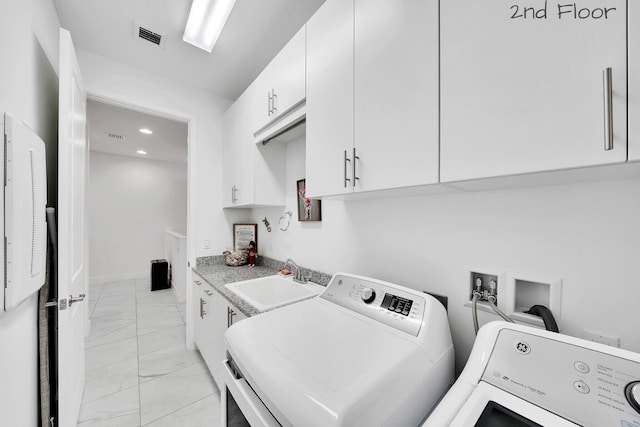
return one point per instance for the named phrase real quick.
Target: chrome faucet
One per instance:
(298, 277)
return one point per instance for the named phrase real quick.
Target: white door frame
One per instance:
(146, 107)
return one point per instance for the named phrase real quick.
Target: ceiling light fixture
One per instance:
(146, 131)
(205, 23)
(141, 152)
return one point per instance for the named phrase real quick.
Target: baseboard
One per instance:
(179, 297)
(118, 277)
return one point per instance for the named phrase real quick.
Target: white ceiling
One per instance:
(167, 143)
(255, 32)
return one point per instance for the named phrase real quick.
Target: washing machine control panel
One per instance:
(396, 304)
(385, 302)
(584, 385)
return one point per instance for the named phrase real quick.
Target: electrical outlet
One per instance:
(486, 284)
(207, 244)
(601, 338)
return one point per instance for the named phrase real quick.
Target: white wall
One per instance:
(586, 234)
(110, 80)
(29, 90)
(132, 202)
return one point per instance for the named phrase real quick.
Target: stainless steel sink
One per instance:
(273, 291)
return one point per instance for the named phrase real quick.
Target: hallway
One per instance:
(138, 371)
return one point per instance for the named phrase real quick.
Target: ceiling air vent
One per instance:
(143, 33)
(115, 136)
(150, 36)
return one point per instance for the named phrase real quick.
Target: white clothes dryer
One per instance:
(521, 376)
(363, 353)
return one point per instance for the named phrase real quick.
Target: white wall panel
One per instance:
(132, 202)
(29, 90)
(587, 234)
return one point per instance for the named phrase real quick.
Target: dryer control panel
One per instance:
(394, 305)
(583, 385)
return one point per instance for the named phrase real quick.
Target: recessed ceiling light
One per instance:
(141, 152)
(146, 131)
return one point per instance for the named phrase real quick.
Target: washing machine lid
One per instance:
(317, 364)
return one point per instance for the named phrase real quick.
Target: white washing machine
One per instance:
(521, 376)
(363, 353)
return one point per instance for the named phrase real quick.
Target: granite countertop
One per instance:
(216, 274)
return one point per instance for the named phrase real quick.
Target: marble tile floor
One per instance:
(138, 370)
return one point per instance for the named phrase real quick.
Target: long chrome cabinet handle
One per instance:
(234, 194)
(269, 102)
(230, 314)
(346, 159)
(274, 98)
(355, 176)
(202, 312)
(607, 76)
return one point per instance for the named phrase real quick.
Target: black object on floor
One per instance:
(159, 274)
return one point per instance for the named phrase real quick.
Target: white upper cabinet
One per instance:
(522, 86)
(396, 93)
(229, 138)
(289, 75)
(237, 166)
(253, 175)
(372, 96)
(634, 81)
(243, 165)
(329, 99)
(281, 86)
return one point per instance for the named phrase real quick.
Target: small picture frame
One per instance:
(308, 209)
(242, 235)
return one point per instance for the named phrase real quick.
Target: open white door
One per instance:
(72, 235)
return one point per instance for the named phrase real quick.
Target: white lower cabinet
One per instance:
(213, 316)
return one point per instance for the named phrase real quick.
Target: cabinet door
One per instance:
(289, 74)
(235, 316)
(225, 316)
(396, 93)
(197, 305)
(281, 85)
(329, 104)
(215, 324)
(229, 182)
(260, 105)
(244, 152)
(522, 86)
(634, 81)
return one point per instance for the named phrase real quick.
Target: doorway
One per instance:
(138, 186)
